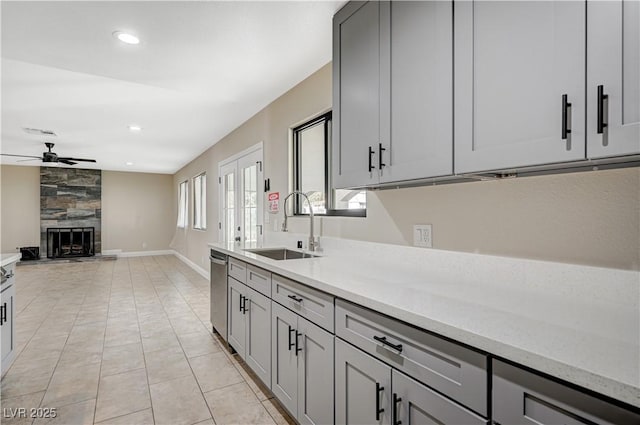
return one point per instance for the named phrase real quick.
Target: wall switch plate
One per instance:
(422, 235)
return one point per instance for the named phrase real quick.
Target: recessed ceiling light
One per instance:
(135, 128)
(128, 163)
(125, 37)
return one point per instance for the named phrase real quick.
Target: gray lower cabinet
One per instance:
(7, 327)
(250, 328)
(363, 387)
(302, 364)
(522, 397)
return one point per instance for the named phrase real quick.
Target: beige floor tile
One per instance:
(237, 404)
(163, 366)
(143, 417)
(178, 402)
(78, 355)
(16, 410)
(207, 422)
(256, 385)
(71, 385)
(121, 336)
(122, 358)
(199, 343)
(214, 371)
(71, 414)
(278, 413)
(165, 341)
(30, 381)
(122, 394)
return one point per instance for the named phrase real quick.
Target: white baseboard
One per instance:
(111, 252)
(143, 253)
(202, 272)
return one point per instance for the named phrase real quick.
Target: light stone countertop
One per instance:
(6, 259)
(578, 323)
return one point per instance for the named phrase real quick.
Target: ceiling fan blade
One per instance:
(31, 159)
(68, 158)
(22, 156)
(66, 161)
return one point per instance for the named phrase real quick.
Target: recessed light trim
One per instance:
(129, 163)
(135, 128)
(126, 37)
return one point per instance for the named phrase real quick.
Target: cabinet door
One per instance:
(258, 346)
(363, 387)
(514, 62)
(315, 374)
(236, 313)
(284, 357)
(356, 94)
(613, 55)
(7, 339)
(421, 142)
(417, 404)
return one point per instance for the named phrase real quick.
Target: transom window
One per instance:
(311, 173)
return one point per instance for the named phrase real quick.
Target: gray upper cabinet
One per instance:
(363, 387)
(356, 94)
(613, 78)
(514, 64)
(521, 397)
(421, 143)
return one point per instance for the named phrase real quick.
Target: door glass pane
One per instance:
(312, 168)
(250, 204)
(229, 204)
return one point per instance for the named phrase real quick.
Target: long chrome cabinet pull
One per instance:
(394, 410)
(383, 340)
(601, 99)
(566, 105)
(379, 410)
(371, 152)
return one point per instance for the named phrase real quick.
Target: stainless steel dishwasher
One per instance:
(219, 292)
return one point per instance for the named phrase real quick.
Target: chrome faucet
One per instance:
(312, 241)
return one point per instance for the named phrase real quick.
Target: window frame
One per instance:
(183, 204)
(329, 193)
(203, 201)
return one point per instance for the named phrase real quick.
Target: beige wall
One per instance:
(20, 211)
(586, 218)
(138, 212)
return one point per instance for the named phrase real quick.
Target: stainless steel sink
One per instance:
(281, 253)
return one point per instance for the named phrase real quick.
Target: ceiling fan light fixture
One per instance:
(126, 37)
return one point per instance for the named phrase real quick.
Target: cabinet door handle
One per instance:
(244, 305)
(380, 150)
(297, 342)
(371, 152)
(296, 299)
(383, 340)
(291, 344)
(566, 106)
(601, 98)
(394, 410)
(379, 410)
(3, 314)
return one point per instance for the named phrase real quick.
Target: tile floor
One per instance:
(125, 342)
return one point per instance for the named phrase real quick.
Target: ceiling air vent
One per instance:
(39, 132)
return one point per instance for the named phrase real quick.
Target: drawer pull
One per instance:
(379, 389)
(383, 340)
(394, 409)
(296, 299)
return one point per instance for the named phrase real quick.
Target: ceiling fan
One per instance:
(52, 157)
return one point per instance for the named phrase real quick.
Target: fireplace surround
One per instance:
(68, 242)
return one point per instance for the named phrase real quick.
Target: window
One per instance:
(182, 204)
(200, 202)
(311, 173)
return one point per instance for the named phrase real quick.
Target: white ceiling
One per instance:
(201, 69)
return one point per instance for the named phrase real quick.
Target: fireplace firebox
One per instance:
(65, 242)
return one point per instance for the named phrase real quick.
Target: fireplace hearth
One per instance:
(67, 242)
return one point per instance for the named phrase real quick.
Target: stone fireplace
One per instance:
(70, 212)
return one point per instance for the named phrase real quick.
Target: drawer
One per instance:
(454, 370)
(314, 305)
(259, 279)
(238, 270)
(523, 397)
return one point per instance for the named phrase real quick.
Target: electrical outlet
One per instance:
(422, 235)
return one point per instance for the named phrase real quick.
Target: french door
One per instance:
(241, 198)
